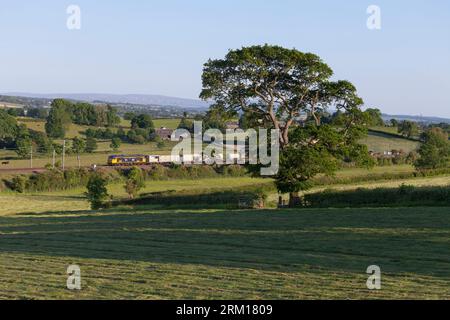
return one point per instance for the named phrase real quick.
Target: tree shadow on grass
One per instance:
(399, 240)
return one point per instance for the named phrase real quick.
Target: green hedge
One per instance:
(324, 180)
(159, 172)
(244, 197)
(381, 197)
(54, 180)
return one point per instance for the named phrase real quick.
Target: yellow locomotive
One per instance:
(132, 160)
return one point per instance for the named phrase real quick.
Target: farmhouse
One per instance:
(164, 133)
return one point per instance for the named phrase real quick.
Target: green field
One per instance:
(158, 123)
(379, 142)
(76, 130)
(140, 253)
(99, 157)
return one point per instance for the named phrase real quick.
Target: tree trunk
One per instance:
(294, 199)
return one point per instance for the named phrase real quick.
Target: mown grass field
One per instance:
(140, 253)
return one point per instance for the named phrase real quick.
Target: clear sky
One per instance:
(159, 47)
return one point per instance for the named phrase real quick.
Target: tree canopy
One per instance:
(408, 129)
(277, 85)
(8, 126)
(58, 119)
(64, 112)
(435, 150)
(374, 117)
(97, 192)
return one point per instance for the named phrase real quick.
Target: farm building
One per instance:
(164, 133)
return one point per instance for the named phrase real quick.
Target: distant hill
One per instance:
(145, 101)
(6, 100)
(421, 119)
(139, 99)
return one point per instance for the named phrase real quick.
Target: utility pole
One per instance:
(54, 158)
(64, 155)
(79, 162)
(31, 157)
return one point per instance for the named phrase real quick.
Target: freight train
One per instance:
(139, 160)
(142, 160)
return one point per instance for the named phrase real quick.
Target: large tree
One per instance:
(276, 85)
(273, 87)
(59, 119)
(374, 117)
(8, 128)
(142, 121)
(408, 129)
(435, 150)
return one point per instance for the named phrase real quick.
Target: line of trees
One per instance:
(64, 112)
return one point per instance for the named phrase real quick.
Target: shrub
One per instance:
(97, 192)
(115, 144)
(18, 184)
(91, 145)
(135, 182)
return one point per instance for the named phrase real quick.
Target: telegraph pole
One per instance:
(54, 158)
(64, 155)
(79, 162)
(31, 156)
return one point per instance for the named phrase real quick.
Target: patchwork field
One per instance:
(140, 253)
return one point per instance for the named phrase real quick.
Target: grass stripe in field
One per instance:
(268, 254)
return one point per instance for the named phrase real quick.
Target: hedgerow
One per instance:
(405, 195)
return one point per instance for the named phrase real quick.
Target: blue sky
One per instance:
(159, 47)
